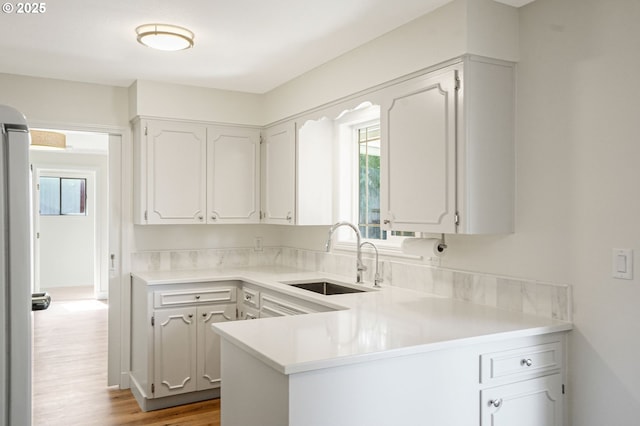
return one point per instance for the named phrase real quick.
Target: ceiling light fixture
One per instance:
(165, 37)
(44, 139)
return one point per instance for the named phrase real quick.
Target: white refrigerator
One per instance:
(15, 270)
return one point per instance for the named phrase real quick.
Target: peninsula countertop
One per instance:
(376, 324)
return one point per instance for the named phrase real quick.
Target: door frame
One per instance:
(120, 182)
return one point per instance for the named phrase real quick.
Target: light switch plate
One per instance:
(622, 264)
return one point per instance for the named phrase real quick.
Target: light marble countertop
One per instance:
(377, 324)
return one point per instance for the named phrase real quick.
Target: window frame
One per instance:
(347, 182)
(83, 193)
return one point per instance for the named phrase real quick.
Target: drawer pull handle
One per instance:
(528, 362)
(496, 402)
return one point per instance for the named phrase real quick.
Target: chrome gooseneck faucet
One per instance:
(359, 265)
(377, 279)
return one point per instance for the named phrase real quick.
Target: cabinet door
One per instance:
(418, 144)
(233, 175)
(536, 402)
(314, 194)
(174, 351)
(208, 363)
(278, 174)
(176, 172)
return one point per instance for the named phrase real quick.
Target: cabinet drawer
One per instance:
(194, 296)
(520, 363)
(251, 297)
(274, 307)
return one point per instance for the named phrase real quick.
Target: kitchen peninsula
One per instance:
(378, 357)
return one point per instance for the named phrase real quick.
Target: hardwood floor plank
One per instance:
(70, 375)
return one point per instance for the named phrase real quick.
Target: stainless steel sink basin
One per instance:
(326, 288)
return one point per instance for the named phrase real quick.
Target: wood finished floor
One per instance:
(70, 375)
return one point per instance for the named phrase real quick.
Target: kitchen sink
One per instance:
(326, 288)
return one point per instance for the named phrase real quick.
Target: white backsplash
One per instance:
(527, 296)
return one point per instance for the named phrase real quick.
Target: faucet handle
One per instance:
(377, 280)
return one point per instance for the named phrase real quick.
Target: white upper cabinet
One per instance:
(279, 174)
(314, 172)
(176, 172)
(447, 150)
(233, 175)
(418, 125)
(188, 173)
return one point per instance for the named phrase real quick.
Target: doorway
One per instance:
(71, 230)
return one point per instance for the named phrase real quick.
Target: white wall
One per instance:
(578, 137)
(46, 100)
(147, 98)
(433, 38)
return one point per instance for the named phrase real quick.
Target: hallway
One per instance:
(70, 373)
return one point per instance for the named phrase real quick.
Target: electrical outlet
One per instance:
(257, 244)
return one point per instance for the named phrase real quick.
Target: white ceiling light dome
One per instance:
(165, 37)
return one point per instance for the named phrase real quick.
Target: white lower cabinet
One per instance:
(534, 402)
(208, 343)
(522, 385)
(510, 382)
(186, 350)
(175, 352)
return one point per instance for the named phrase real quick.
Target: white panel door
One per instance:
(176, 167)
(233, 175)
(536, 402)
(278, 174)
(175, 346)
(418, 174)
(208, 358)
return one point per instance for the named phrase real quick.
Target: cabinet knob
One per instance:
(528, 362)
(204, 315)
(247, 297)
(200, 217)
(197, 297)
(190, 315)
(213, 217)
(386, 221)
(496, 402)
(289, 217)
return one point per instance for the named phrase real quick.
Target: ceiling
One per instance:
(246, 45)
